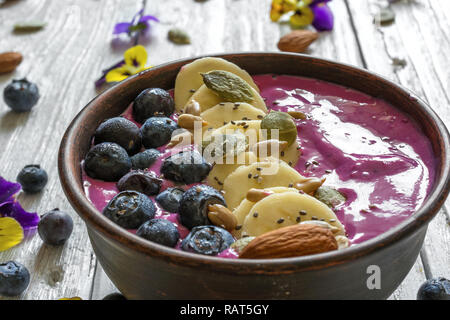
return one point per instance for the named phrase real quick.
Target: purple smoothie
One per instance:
(368, 150)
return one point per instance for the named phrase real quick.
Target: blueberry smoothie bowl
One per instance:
(256, 176)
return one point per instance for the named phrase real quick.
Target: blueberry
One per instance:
(144, 159)
(434, 289)
(21, 95)
(186, 167)
(114, 296)
(157, 131)
(121, 131)
(142, 181)
(32, 178)
(130, 209)
(194, 205)
(170, 199)
(207, 240)
(160, 231)
(55, 227)
(14, 279)
(152, 102)
(107, 161)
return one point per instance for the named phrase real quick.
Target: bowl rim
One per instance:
(91, 216)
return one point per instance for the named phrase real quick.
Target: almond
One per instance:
(309, 185)
(188, 121)
(222, 217)
(297, 40)
(9, 61)
(293, 241)
(255, 195)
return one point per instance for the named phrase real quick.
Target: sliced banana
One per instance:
(284, 209)
(223, 113)
(259, 175)
(220, 172)
(245, 206)
(189, 78)
(252, 129)
(207, 99)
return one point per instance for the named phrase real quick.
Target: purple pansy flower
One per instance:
(139, 23)
(9, 207)
(323, 16)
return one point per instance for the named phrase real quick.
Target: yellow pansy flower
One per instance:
(303, 15)
(280, 7)
(135, 61)
(11, 233)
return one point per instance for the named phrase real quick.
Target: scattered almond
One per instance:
(9, 61)
(193, 107)
(222, 217)
(187, 121)
(268, 147)
(255, 195)
(309, 185)
(293, 241)
(297, 40)
(185, 137)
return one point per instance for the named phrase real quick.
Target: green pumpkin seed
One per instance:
(228, 86)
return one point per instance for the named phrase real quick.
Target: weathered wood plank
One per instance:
(64, 59)
(417, 36)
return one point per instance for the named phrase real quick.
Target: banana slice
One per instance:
(246, 205)
(189, 77)
(229, 111)
(259, 175)
(220, 172)
(284, 209)
(208, 99)
(252, 129)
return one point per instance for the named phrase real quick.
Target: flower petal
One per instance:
(148, 18)
(11, 233)
(7, 190)
(119, 74)
(122, 27)
(302, 18)
(136, 57)
(28, 220)
(323, 17)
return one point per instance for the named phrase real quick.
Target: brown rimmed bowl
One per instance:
(144, 270)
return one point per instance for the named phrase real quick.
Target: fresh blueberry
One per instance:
(152, 102)
(55, 227)
(434, 289)
(14, 279)
(107, 161)
(32, 178)
(143, 160)
(160, 231)
(130, 209)
(186, 167)
(207, 240)
(170, 199)
(114, 296)
(142, 181)
(194, 205)
(157, 131)
(121, 131)
(21, 95)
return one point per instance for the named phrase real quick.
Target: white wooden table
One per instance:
(67, 56)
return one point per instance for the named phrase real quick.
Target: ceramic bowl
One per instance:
(144, 270)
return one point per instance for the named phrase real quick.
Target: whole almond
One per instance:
(9, 61)
(188, 121)
(293, 241)
(297, 40)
